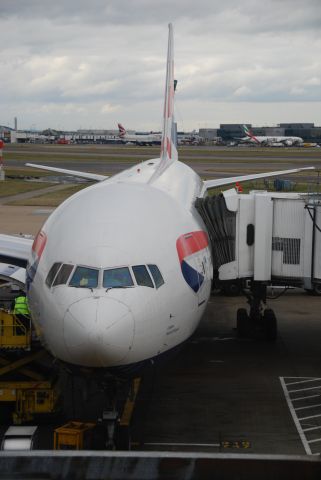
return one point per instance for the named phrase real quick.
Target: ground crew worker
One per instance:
(22, 312)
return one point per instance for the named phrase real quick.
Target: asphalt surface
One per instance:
(210, 162)
(224, 394)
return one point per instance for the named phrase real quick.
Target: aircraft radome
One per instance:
(121, 272)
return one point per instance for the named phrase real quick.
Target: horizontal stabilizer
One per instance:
(90, 176)
(243, 178)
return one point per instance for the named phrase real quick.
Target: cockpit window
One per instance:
(63, 275)
(84, 277)
(117, 277)
(157, 276)
(52, 273)
(142, 276)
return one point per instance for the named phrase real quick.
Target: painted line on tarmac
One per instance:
(165, 444)
(305, 429)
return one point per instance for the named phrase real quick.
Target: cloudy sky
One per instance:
(92, 63)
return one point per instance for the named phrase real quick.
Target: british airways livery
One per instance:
(121, 272)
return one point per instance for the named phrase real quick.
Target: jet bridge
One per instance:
(261, 239)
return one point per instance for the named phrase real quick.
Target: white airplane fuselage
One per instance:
(151, 139)
(123, 222)
(268, 140)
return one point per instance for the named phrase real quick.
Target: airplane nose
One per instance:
(98, 332)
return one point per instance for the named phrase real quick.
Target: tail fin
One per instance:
(249, 134)
(122, 130)
(246, 131)
(168, 153)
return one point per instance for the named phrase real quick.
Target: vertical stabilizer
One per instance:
(121, 130)
(168, 153)
(249, 134)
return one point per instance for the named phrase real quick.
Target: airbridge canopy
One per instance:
(221, 226)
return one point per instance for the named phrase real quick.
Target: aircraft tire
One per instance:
(270, 325)
(242, 322)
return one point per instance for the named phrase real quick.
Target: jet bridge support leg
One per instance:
(260, 321)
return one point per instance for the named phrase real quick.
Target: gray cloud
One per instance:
(104, 61)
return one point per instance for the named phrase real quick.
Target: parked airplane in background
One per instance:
(149, 139)
(121, 272)
(269, 140)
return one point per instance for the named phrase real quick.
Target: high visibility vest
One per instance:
(21, 306)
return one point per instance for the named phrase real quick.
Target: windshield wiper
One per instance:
(119, 286)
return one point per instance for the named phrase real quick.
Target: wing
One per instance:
(15, 250)
(76, 173)
(168, 149)
(243, 178)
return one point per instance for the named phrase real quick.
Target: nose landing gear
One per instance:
(260, 321)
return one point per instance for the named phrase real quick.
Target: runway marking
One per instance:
(311, 428)
(306, 398)
(308, 418)
(166, 444)
(305, 430)
(305, 389)
(304, 381)
(212, 339)
(309, 406)
(315, 441)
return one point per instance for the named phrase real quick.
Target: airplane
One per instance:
(121, 272)
(149, 139)
(269, 140)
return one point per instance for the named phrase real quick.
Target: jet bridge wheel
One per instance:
(242, 323)
(270, 325)
(316, 290)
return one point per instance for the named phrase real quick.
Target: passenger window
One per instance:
(52, 273)
(117, 277)
(84, 277)
(157, 276)
(63, 275)
(142, 276)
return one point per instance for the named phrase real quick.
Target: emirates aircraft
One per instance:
(121, 272)
(143, 139)
(269, 140)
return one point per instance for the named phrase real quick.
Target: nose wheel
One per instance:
(260, 321)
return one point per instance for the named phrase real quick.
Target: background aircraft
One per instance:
(269, 140)
(121, 272)
(150, 139)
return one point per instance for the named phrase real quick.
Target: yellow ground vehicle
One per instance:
(13, 334)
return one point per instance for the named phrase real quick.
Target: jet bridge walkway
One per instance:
(261, 239)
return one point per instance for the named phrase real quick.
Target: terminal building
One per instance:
(226, 133)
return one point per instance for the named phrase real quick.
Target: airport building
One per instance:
(226, 133)
(308, 131)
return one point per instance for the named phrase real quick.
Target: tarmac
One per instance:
(224, 394)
